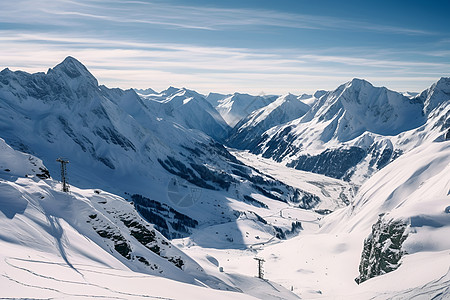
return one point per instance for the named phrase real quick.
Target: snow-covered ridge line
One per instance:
(357, 129)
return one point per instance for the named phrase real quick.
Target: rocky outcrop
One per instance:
(382, 250)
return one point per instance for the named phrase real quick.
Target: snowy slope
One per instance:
(17, 164)
(214, 98)
(284, 109)
(414, 190)
(36, 215)
(234, 108)
(189, 109)
(414, 187)
(323, 261)
(311, 100)
(357, 129)
(91, 243)
(434, 96)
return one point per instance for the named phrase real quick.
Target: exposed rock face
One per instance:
(334, 163)
(121, 238)
(382, 250)
(168, 221)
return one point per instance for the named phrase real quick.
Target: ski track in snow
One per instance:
(34, 273)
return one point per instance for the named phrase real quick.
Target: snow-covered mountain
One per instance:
(147, 91)
(115, 140)
(189, 109)
(233, 108)
(410, 94)
(357, 106)
(404, 210)
(357, 129)
(284, 109)
(214, 98)
(435, 96)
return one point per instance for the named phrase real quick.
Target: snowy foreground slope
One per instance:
(92, 244)
(48, 251)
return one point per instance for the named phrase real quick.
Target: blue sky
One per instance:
(270, 47)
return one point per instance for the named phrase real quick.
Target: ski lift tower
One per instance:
(65, 184)
(260, 267)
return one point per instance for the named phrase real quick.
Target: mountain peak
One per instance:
(289, 96)
(146, 91)
(237, 94)
(438, 93)
(71, 59)
(170, 91)
(319, 93)
(73, 69)
(358, 83)
(443, 86)
(444, 83)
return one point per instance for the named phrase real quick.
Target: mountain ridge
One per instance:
(335, 129)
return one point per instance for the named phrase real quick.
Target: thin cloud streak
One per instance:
(187, 17)
(208, 57)
(355, 61)
(133, 64)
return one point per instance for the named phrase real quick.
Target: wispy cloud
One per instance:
(224, 69)
(378, 63)
(179, 16)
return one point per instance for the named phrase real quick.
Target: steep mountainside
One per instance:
(357, 129)
(434, 96)
(189, 109)
(404, 210)
(233, 108)
(391, 240)
(284, 109)
(214, 98)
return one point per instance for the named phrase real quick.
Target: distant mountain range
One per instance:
(355, 130)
